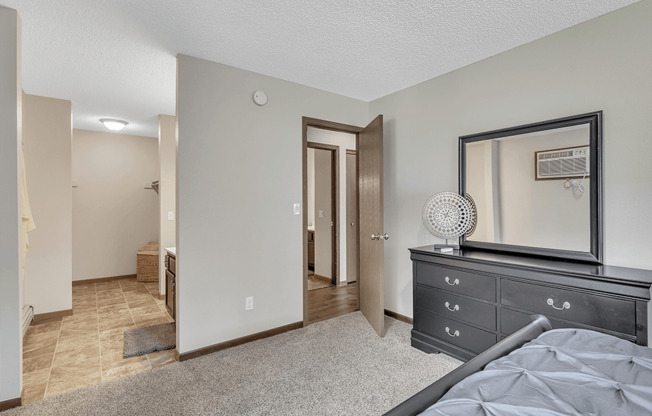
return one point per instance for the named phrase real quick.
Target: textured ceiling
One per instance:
(116, 58)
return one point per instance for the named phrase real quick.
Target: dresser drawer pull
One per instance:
(566, 305)
(453, 309)
(454, 334)
(453, 283)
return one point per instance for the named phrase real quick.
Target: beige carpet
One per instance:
(334, 367)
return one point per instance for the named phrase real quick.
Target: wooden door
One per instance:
(370, 193)
(351, 218)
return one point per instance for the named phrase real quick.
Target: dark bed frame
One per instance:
(431, 394)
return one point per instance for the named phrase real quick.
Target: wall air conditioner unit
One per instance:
(571, 162)
(28, 317)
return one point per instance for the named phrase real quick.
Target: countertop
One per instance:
(171, 250)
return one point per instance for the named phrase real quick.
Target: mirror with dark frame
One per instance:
(537, 188)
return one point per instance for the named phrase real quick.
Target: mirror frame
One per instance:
(596, 162)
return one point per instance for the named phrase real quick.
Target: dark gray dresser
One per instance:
(466, 301)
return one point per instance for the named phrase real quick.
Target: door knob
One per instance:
(384, 236)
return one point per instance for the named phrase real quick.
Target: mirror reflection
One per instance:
(532, 189)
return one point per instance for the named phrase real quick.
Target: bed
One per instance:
(540, 371)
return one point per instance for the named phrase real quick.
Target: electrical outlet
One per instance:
(249, 303)
(297, 209)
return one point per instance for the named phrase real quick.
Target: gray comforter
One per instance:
(562, 372)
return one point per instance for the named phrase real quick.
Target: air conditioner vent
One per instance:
(562, 163)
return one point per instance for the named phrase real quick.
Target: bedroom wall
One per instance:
(113, 215)
(11, 359)
(239, 174)
(47, 141)
(167, 155)
(603, 64)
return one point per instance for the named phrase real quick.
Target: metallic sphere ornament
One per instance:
(448, 215)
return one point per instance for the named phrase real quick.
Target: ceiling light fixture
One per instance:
(113, 124)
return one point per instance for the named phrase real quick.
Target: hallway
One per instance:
(332, 301)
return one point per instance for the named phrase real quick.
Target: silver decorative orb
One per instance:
(448, 215)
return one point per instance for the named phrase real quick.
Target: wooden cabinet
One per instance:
(171, 284)
(468, 300)
(311, 250)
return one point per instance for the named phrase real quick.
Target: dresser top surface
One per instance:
(596, 271)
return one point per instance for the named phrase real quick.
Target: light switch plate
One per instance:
(321, 213)
(170, 215)
(297, 209)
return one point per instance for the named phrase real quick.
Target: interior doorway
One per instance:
(358, 284)
(111, 294)
(323, 191)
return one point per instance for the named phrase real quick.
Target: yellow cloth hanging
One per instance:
(28, 221)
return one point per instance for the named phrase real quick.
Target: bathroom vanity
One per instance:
(171, 281)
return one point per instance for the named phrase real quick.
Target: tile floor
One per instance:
(86, 348)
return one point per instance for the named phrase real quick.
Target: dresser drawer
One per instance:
(511, 321)
(459, 281)
(585, 308)
(453, 332)
(457, 307)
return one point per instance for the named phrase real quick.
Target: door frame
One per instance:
(335, 206)
(325, 125)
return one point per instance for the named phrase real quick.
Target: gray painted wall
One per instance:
(239, 174)
(47, 142)
(113, 215)
(11, 360)
(604, 64)
(167, 157)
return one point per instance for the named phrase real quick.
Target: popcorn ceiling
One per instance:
(117, 58)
